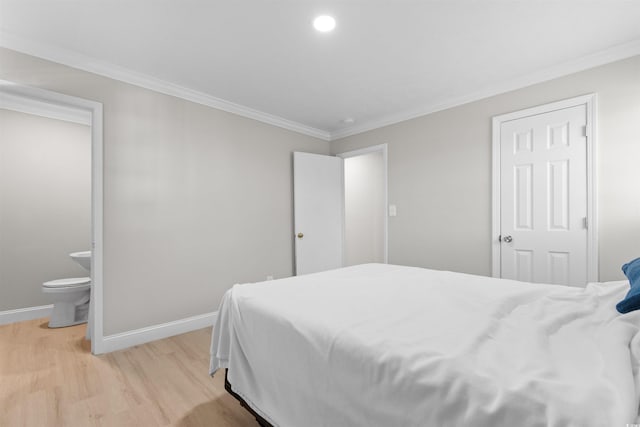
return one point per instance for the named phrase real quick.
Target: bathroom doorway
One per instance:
(81, 120)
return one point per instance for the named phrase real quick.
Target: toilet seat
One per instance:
(74, 282)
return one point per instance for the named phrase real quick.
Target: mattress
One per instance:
(384, 345)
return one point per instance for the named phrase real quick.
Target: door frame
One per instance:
(367, 150)
(590, 101)
(80, 107)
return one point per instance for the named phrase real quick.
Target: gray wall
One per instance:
(440, 172)
(45, 204)
(195, 199)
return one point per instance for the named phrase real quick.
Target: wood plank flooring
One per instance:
(48, 377)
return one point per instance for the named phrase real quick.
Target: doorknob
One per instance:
(300, 235)
(507, 239)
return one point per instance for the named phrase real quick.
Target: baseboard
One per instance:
(22, 314)
(128, 339)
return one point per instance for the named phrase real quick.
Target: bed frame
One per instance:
(227, 386)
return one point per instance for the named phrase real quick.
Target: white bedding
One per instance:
(390, 346)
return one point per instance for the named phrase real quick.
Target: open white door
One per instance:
(544, 194)
(318, 194)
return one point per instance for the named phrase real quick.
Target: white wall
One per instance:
(440, 172)
(195, 199)
(364, 208)
(45, 204)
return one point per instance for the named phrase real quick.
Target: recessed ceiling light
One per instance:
(324, 23)
(348, 121)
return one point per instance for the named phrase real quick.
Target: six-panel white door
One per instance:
(318, 204)
(543, 193)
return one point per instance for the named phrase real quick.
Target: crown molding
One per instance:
(606, 56)
(26, 105)
(86, 63)
(92, 65)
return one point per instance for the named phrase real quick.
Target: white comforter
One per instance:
(381, 345)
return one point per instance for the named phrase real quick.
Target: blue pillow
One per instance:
(632, 300)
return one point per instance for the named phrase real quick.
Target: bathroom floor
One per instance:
(48, 377)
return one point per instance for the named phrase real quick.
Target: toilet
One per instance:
(70, 301)
(70, 296)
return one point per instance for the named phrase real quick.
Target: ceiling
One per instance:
(386, 61)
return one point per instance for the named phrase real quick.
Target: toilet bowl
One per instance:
(70, 301)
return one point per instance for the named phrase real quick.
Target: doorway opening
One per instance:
(35, 100)
(340, 209)
(365, 205)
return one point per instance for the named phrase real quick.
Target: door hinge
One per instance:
(499, 237)
(585, 223)
(584, 130)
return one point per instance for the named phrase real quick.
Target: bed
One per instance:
(384, 345)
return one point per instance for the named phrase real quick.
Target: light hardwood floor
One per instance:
(48, 377)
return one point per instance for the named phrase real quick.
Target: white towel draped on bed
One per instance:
(390, 346)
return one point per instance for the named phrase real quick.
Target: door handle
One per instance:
(507, 239)
(300, 235)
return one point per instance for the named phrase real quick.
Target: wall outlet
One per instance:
(269, 277)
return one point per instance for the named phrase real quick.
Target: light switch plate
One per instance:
(392, 210)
